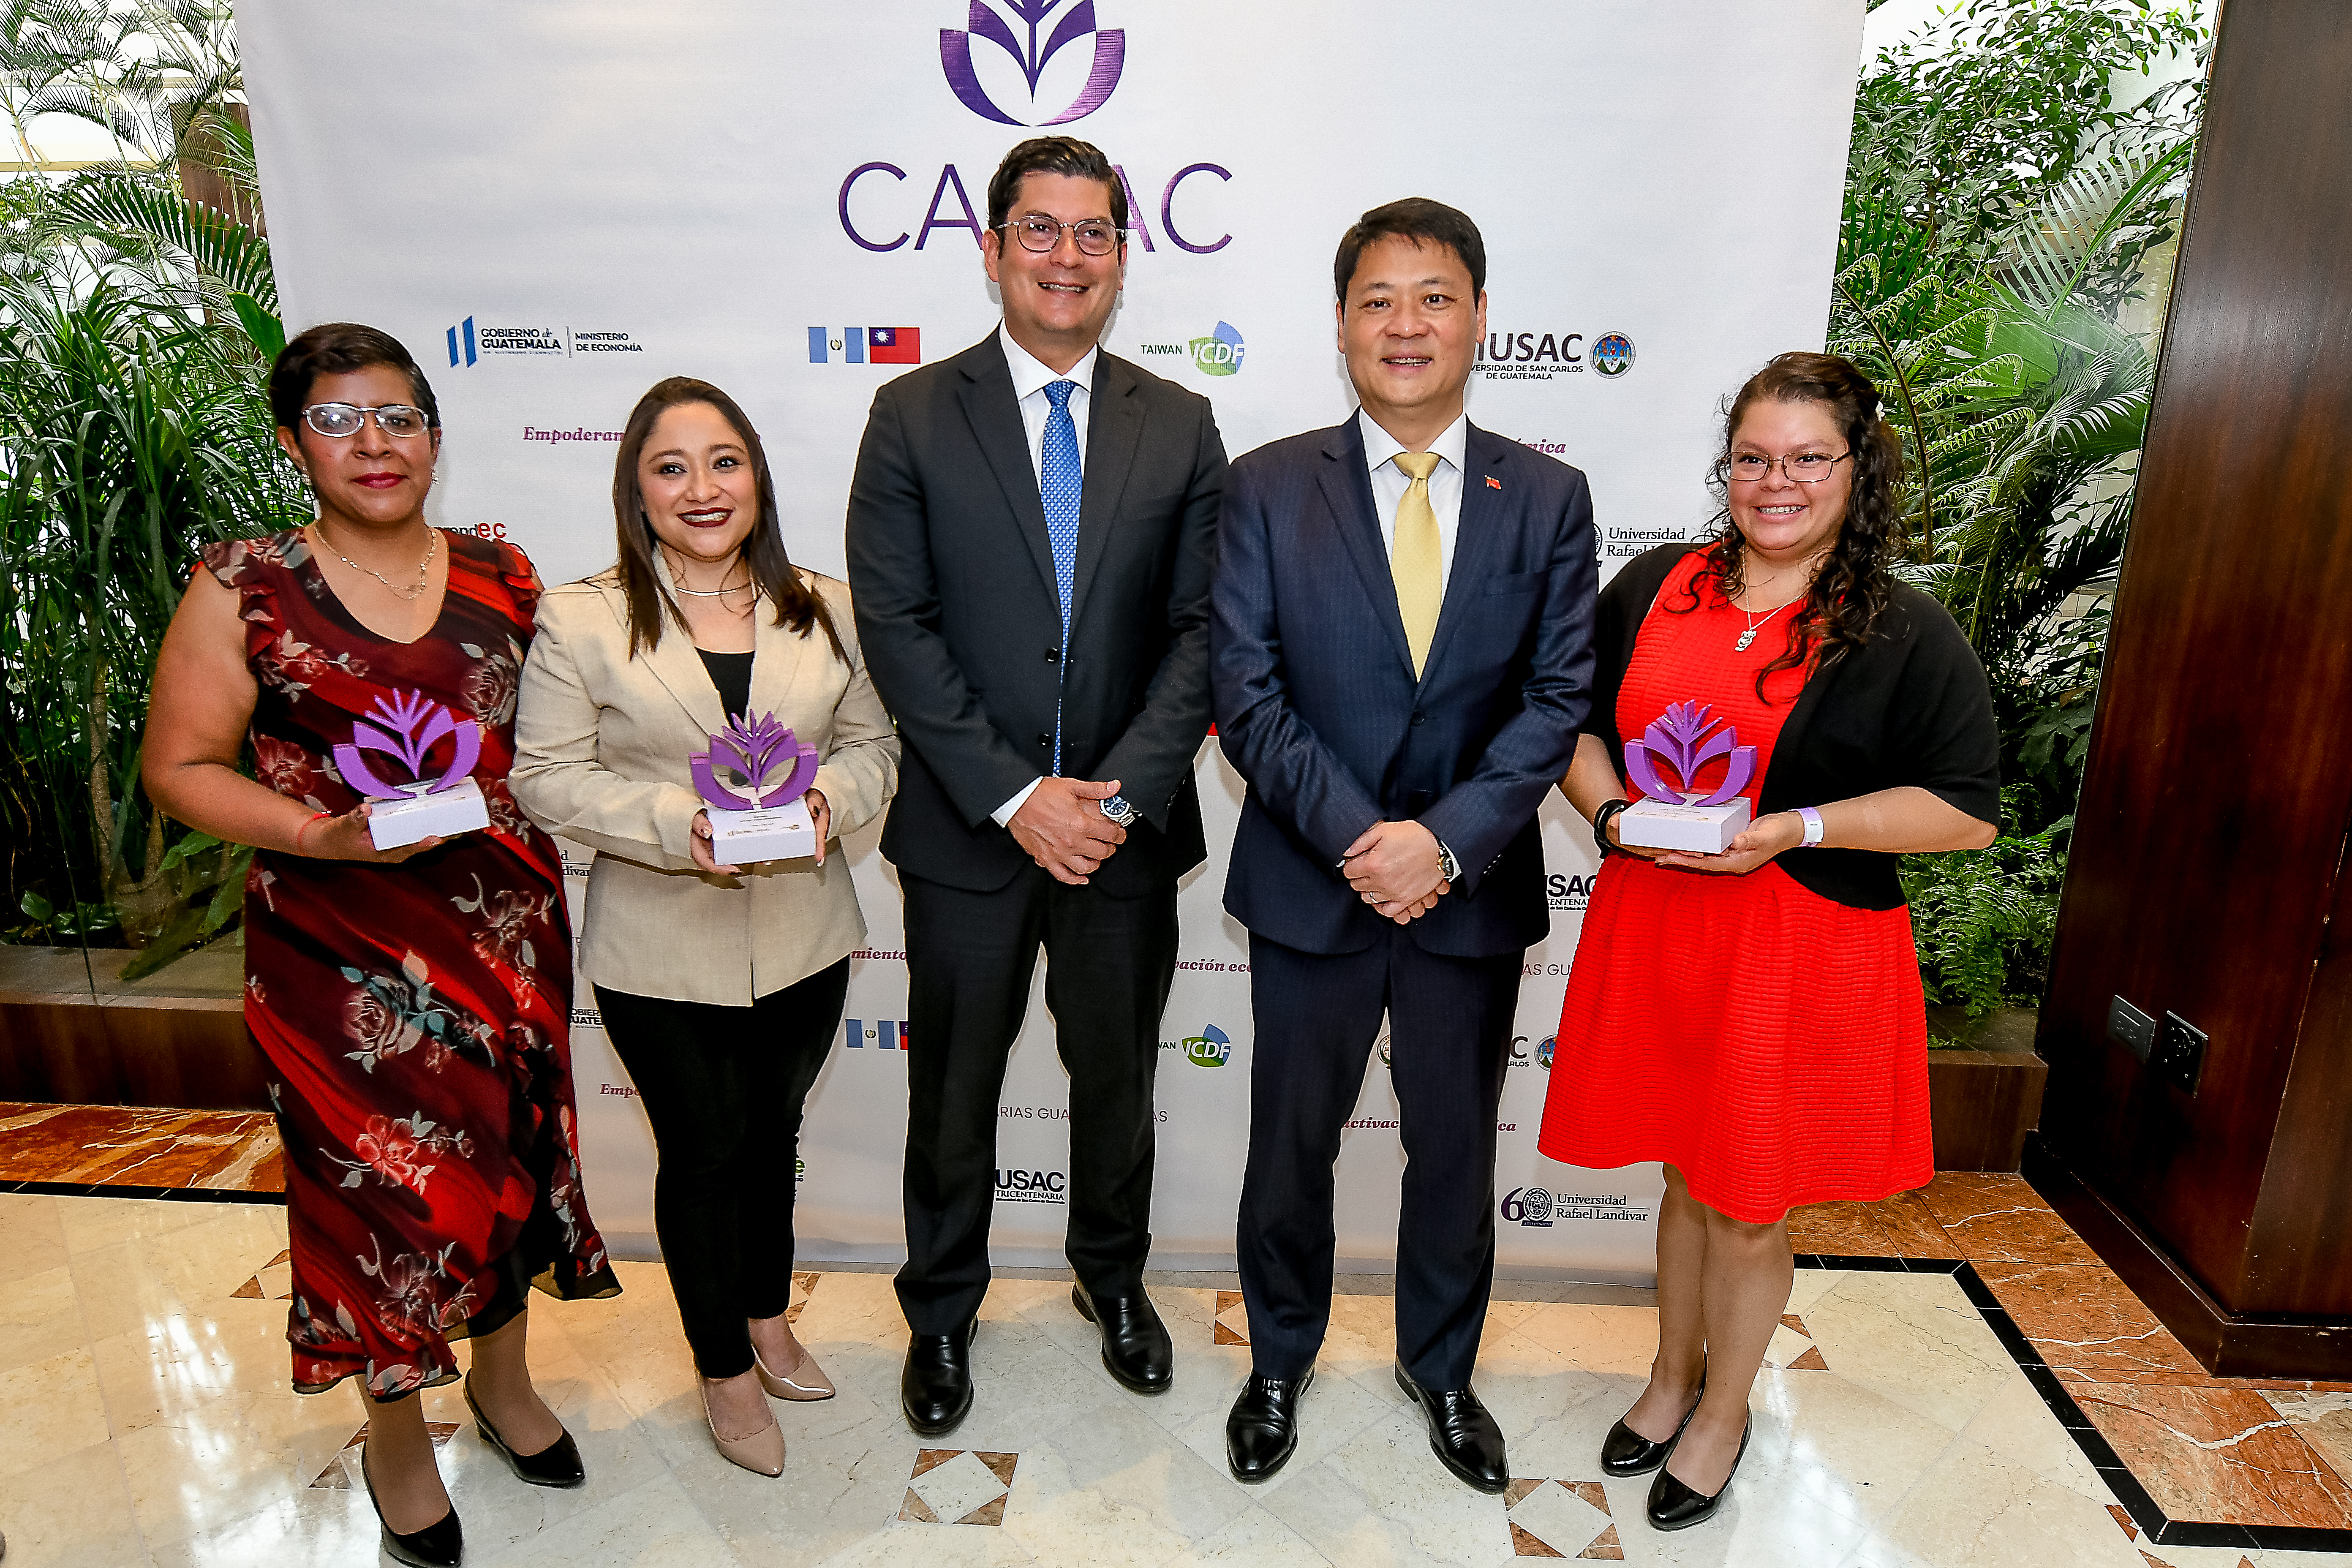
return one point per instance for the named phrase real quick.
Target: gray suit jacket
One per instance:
(955, 603)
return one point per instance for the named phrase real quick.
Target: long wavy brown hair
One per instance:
(1856, 582)
(651, 609)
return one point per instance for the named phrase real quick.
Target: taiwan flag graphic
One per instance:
(865, 346)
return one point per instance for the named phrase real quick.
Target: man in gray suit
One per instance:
(1031, 531)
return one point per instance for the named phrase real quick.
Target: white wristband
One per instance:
(1812, 821)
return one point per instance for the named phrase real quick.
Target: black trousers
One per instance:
(969, 960)
(1316, 1017)
(722, 1088)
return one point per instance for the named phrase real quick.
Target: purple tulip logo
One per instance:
(408, 725)
(1681, 739)
(1077, 23)
(755, 750)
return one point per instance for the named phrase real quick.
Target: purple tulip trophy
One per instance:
(754, 750)
(1680, 738)
(408, 725)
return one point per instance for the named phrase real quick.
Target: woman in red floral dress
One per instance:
(413, 1003)
(1753, 1019)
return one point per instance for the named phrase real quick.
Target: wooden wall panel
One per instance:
(2210, 843)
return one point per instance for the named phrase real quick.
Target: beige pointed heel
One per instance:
(763, 1453)
(808, 1383)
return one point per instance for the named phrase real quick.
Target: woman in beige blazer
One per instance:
(721, 986)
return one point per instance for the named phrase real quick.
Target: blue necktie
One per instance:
(1060, 480)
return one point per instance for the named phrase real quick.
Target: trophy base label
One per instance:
(1695, 829)
(396, 823)
(774, 833)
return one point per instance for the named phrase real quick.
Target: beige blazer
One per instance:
(601, 748)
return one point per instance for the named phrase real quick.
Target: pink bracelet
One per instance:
(1812, 821)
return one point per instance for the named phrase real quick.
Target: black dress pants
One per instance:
(722, 1089)
(969, 957)
(1316, 1017)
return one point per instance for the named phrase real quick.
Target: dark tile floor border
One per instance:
(2160, 1529)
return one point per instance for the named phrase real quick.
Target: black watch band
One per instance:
(1600, 821)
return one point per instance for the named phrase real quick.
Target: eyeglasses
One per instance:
(1805, 467)
(398, 420)
(1041, 234)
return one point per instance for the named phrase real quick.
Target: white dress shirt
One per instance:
(1390, 483)
(1031, 376)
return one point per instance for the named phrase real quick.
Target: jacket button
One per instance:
(1053, 656)
(1418, 716)
(1045, 739)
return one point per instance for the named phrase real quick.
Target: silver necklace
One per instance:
(424, 567)
(1755, 624)
(713, 593)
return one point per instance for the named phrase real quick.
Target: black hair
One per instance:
(1421, 220)
(1856, 581)
(1052, 155)
(338, 348)
(798, 605)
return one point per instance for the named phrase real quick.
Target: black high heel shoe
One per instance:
(1675, 1506)
(441, 1544)
(1625, 1452)
(557, 1465)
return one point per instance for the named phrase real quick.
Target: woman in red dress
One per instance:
(413, 1003)
(1753, 1019)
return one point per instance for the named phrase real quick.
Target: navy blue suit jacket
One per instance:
(1318, 707)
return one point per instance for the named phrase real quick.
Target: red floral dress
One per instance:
(1768, 1043)
(415, 1017)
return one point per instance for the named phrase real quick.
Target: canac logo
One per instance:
(885, 1033)
(1032, 47)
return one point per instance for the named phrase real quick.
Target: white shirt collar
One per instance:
(1453, 443)
(1031, 373)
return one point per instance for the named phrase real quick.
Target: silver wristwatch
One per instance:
(1119, 811)
(1448, 868)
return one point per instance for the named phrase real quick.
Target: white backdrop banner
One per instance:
(554, 205)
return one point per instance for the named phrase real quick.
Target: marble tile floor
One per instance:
(1893, 1320)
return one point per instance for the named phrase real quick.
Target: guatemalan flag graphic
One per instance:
(865, 345)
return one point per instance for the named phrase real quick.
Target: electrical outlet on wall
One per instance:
(2131, 1029)
(2181, 1053)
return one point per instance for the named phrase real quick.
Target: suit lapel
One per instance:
(1348, 493)
(1477, 536)
(674, 662)
(996, 417)
(1114, 430)
(777, 665)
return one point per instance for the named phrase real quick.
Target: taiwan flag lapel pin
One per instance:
(1493, 483)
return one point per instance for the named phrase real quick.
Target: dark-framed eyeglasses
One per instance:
(1041, 234)
(1805, 467)
(398, 420)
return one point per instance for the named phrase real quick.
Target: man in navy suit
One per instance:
(1400, 647)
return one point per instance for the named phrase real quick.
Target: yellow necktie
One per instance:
(1417, 561)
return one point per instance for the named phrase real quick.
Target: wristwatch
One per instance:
(1119, 811)
(1448, 868)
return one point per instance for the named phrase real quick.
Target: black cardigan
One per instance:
(1908, 706)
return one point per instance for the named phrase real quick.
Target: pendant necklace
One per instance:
(1755, 624)
(424, 568)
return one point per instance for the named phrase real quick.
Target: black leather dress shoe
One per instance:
(1625, 1452)
(1262, 1429)
(557, 1465)
(1135, 1345)
(1461, 1435)
(935, 1389)
(441, 1544)
(1674, 1506)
